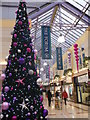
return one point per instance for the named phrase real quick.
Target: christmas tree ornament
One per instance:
(6, 89)
(7, 116)
(15, 44)
(25, 45)
(20, 22)
(39, 81)
(45, 113)
(41, 98)
(14, 118)
(3, 76)
(15, 35)
(28, 50)
(10, 74)
(30, 72)
(23, 105)
(19, 51)
(20, 81)
(29, 114)
(1, 116)
(21, 61)
(5, 106)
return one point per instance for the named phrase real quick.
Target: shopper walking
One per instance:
(49, 97)
(65, 96)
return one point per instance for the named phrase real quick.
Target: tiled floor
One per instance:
(71, 110)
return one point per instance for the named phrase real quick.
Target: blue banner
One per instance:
(59, 58)
(46, 42)
(47, 71)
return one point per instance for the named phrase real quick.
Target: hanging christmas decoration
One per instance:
(76, 55)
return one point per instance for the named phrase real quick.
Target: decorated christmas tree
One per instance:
(21, 95)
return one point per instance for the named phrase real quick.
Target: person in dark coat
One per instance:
(49, 97)
(57, 94)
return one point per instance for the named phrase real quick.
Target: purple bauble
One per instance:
(5, 105)
(6, 89)
(41, 98)
(3, 76)
(14, 118)
(15, 44)
(21, 61)
(10, 74)
(45, 112)
(14, 98)
(29, 114)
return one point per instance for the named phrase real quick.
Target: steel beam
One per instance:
(76, 12)
(43, 10)
(53, 15)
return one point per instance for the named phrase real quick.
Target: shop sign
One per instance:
(46, 42)
(59, 58)
(83, 78)
(47, 71)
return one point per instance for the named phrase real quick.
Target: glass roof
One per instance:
(66, 21)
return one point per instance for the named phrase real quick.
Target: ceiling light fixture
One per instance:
(41, 69)
(45, 64)
(61, 39)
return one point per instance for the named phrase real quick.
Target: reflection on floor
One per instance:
(71, 110)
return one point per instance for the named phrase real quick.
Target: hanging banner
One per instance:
(46, 42)
(47, 71)
(59, 58)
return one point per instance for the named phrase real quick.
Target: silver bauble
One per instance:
(19, 51)
(30, 72)
(39, 81)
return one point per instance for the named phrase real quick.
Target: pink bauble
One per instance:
(3, 76)
(14, 118)
(20, 22)
(24, 69)
(0, 98)
(41, 107)
(25, 45)
(5, 106)
(28, 50)
(35, 57)
(75, 45)
(11, 88)
(22, 5)
(4, 99)
(15, 58)
(15, 35)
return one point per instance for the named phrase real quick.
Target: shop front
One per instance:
(82, 89)
(68, 86)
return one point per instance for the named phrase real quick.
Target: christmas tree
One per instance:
(21, 95)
